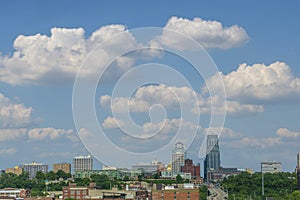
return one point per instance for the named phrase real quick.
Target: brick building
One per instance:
(189, 167)
(75, 192)
(178, 194)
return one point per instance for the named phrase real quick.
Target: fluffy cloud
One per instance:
(42, 59)
(210, 34)
(49, 133)
(13, 114)
(260, 82)
(174, 98)
(111, 122)
(286, 133)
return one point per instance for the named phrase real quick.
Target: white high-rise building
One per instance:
(178, 157)
(271, 167)
(83, 163)
(33, 168)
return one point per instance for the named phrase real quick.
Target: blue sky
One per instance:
(36, 120)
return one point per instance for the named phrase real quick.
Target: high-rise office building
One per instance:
(33, 168)
(298, 160)
(212, 160)
(83, 163)
(178, 157)
(66, 167)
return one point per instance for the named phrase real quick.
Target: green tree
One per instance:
(295, 195)
(179, 179)
(203, 192)
(40, 176)
(102, 181)
(155, 176)
(51, 176)
(126, 178)
(63, 175)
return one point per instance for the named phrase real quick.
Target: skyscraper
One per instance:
(212, 160)
(298, 160)
(178, 157)
(298, 171)
(83, 163)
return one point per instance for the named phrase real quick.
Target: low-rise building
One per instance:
(219, 175)
(13, 192)
(75, 192)
(175, 194)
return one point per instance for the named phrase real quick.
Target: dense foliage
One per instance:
(203, 192)
(39, 185)
(245, 185)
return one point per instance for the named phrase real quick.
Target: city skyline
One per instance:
(256, 53)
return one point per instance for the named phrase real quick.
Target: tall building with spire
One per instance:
(298, 160)
(298, 171)
(212, 160)
(178, 157)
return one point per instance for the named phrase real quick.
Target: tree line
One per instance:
(249, 186)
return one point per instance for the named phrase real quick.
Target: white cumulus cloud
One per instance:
(49, 133)
(210, 34)
(285, 132)
(171, 97)
(42, 59)
(13, 114)
(260, 82)
(55, 58)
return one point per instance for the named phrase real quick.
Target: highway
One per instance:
(216, 193)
